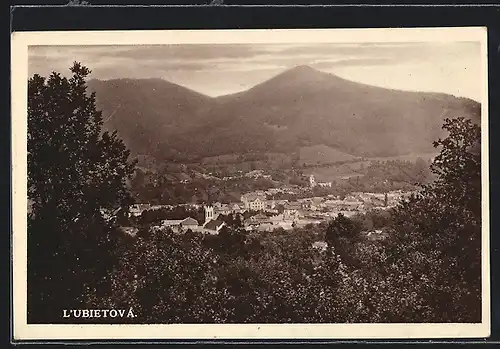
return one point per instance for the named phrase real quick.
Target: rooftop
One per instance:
(189, 221)
(213, 224)
(293, 206)
(253, 196)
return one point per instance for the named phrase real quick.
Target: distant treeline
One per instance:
(378, 176)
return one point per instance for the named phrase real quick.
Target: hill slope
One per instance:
(146, 111)
(304, 107)
(301, 107)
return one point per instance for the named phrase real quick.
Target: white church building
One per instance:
(211, 225)
(313, 183)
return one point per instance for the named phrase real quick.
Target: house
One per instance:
(321, 246)
(213, 226)
(132, 231)
(291, 211)
(352, 197)
(276, 218)
(224, 209)
(315, 203)
(181, 224)
(171, 222)
(287, 225)
(254, 201)
(113, 215)
(236, 208)
(260, 218)
(254, 174)
(375, 235)
(189, 223)
(249, 223)
(266, 227)
(137, 209)
(270, 205)
(343, 205)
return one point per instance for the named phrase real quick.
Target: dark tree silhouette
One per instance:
(341, 227)
(438, 232)
(76, 184)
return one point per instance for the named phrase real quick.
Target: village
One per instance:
(259, 210)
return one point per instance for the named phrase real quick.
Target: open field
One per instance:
(322, 154)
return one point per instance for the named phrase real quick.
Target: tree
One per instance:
(341, 226)
(366, 222)
(76, 183)
(341, 234)
(458, 166)
(438, 232)
(422, 171)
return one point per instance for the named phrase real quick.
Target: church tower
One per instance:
(312, 181)
(209, 213)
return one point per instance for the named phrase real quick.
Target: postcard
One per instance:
(250, 184)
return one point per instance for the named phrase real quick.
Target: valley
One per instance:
(194, 149)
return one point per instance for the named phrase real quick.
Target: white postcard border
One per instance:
(19, 76)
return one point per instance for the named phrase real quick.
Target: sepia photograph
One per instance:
(250, 184)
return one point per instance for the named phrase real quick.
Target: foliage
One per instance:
(425, 267)
(438, 232)
(76, 183)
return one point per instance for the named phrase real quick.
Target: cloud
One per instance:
(227, 57)
(140, 52)
(358, 49)
(353, 62)
(227, 68)
(187, 51)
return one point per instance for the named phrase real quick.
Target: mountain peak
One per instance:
(303, 71)
(301, 74)
(303, 68)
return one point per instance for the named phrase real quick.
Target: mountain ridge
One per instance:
(298, 107)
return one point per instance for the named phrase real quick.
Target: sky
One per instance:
(219, 69)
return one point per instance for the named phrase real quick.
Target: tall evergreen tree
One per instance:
(76, 182)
